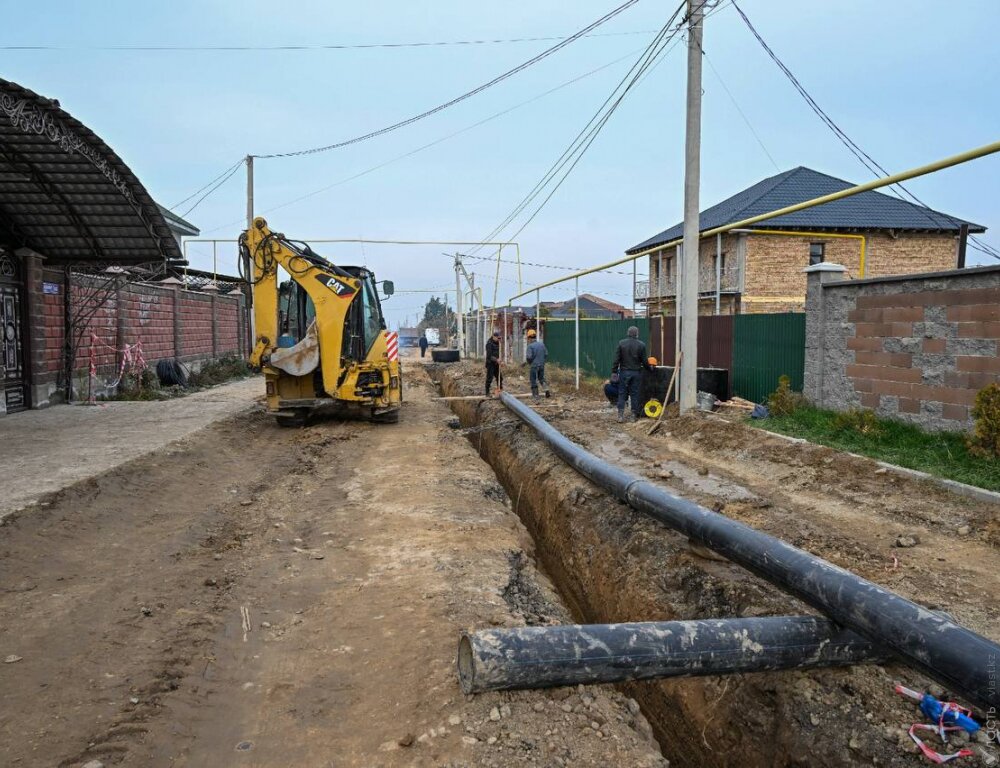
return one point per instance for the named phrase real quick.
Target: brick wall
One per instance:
(149, 316)
(50, 341)
(774, 281)
(917, 348)
(170, 323)
(732, 257)
(196, 319)
(769, 267)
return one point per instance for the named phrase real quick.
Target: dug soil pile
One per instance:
(613, 564)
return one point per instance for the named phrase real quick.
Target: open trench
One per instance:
(612, 564)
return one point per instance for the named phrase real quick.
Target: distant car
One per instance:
(409, 337)
(433, 336)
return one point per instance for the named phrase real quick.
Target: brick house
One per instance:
(89, 263)
(760, 269)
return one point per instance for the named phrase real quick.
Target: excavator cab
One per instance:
(320, 335)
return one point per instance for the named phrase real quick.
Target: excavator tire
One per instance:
(386, 417)
(292, 419)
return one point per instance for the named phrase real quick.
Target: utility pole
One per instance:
(249, 191)
(479, 314)
(460, 320)
(688, 289)
(248, 260)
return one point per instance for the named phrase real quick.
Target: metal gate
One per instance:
(12, 330)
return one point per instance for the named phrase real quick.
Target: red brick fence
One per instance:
(105, 315)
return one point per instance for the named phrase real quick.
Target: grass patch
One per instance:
(218, 372)
(146, 386)
(565, 379)
(944, 454)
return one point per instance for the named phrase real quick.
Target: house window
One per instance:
(816, 253)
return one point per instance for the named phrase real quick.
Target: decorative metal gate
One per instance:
(12, 333)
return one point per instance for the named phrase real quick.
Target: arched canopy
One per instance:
(66, 195)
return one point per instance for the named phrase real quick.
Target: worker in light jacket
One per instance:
(535, 356)
(630, 362)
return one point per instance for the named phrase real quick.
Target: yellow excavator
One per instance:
(320, 335)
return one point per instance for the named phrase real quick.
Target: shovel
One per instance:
(666, 397)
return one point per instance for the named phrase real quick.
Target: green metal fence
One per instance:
(598, 342)
(764, 348)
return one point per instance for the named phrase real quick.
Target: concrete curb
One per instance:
(963, 489)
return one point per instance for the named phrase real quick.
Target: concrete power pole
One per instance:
(460, 319)
(688, 289)
(249, 191)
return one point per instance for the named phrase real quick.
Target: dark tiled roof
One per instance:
(867, 210)
(65, 194)
(175, 222)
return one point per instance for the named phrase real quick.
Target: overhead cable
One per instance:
(218, 184)
(863, 157)
(588, 133)
(434, 143)
(468, 94)
(202, 189)
(307, 47)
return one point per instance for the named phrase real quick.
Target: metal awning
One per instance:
(65, 194)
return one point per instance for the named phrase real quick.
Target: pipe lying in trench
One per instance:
(542, 657)
(931, 642)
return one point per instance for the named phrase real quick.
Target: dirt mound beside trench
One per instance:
(612, 564)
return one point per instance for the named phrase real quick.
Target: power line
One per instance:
(469, 94)
(237, 164)
(218, 184)
(863, 157)
(313, 47)
(740, 110)
(491, 260)
(434, 143)
(588, 133)
(585, 138)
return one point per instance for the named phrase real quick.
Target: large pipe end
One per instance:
(466, 665)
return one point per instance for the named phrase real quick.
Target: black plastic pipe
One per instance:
(931, 642)
(543, 657)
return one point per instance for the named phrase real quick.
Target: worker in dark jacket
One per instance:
(423, 344)
(493, 363)
(535, 357)
(630, 361)
(611, 389)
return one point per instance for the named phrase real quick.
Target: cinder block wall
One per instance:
(915, 348)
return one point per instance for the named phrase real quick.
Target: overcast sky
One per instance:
(909, 80)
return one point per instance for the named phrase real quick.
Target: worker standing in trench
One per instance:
(630, 361)
(535, 357)
(493, 363)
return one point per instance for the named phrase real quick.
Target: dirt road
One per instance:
(51, 448)
(254, 596)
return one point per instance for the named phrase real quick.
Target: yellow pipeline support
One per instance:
(948, 162)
